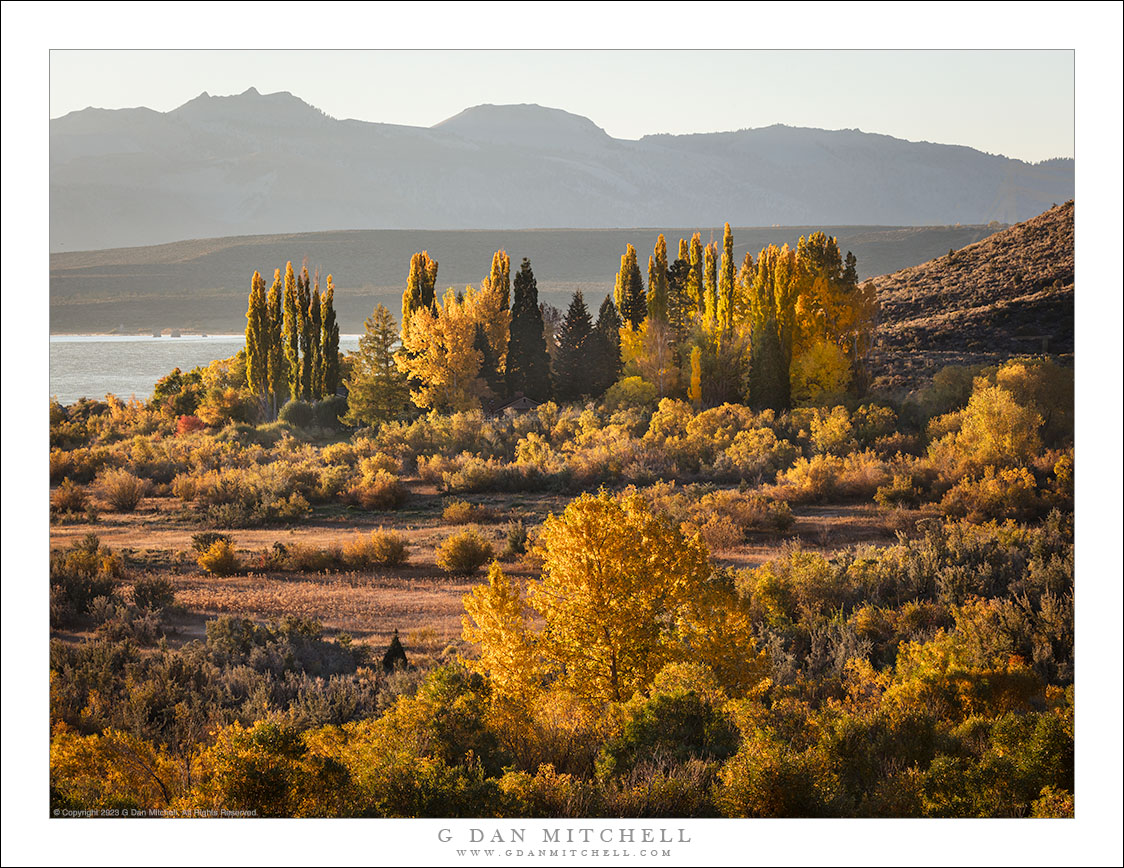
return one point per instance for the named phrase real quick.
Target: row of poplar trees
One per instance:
(292, 339)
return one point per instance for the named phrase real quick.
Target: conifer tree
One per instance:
(489, 363)
(850, 271)
(330, 341)
(680, 311)
(278, 366)
(304, 329)
(257, 338)
(292, 332)
(377, 390)
(710, 284)
(605, 352)
(572, 369)
(420, 287)
(316, 343)
(657, 282)
(726, 284)
(527, 367)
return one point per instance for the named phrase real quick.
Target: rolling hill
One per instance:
(1008, 294)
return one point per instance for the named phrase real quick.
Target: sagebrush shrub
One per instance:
(464, 553)
(69, 497)
(381, 548)
(154, 592)
(463, 512)
(379, 492)
(121, 489)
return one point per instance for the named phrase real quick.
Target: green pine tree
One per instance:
(605, 352)
(257, 338)
(528, 366)
(377, 390)
(573, 372)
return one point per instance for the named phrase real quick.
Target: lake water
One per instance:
(93, 366)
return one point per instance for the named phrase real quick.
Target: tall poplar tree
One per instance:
(278, 365)
(292, 332)
(527, 367)
(304, 331)
(695, 275)
(710, 284)
(629, 290)
(420, 287)
(768, 374)
(499, 278)
(330, 340)
(257, 338)
(316, 344)
(726, 283)
(573, 363)
(657, 282)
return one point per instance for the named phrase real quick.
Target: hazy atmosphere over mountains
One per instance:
(256, 164)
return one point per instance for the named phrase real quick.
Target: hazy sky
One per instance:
(1019, 103)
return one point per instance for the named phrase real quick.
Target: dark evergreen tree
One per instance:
(605, 349)
(573, 372)
(395, 656)
(851, 271)
(680, 310)
(528, 366)
(489, 364)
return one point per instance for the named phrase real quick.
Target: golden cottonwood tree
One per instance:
(496, 619)
(440, 358)
(615, 581)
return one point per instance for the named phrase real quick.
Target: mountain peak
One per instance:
(526, 124)
(250, 106)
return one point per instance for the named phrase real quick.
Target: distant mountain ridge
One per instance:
(271, 163)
